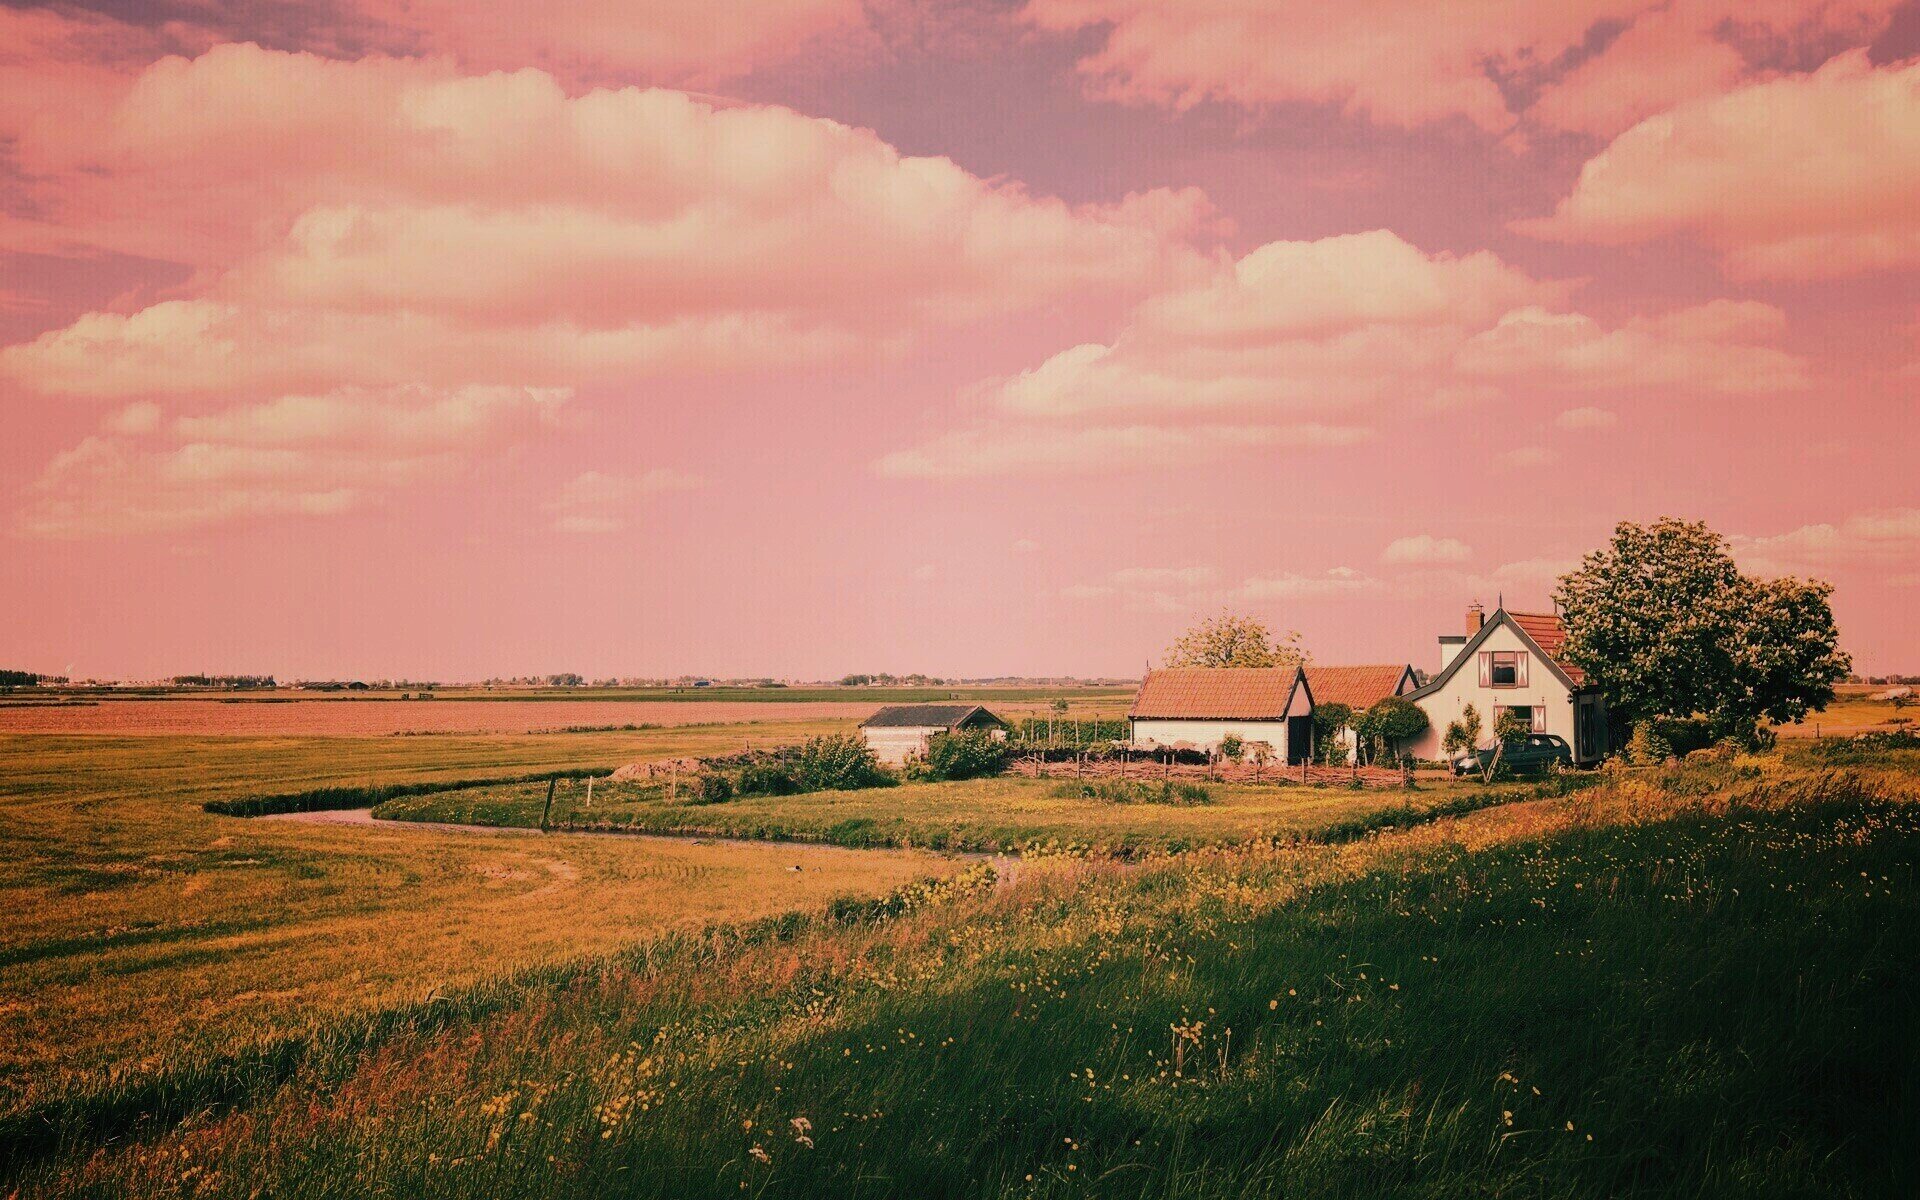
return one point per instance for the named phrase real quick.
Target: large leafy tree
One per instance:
(1234, 641)
(1664, 622)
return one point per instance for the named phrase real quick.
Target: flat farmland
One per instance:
(378, 718)
(335, 715)
(144, 932)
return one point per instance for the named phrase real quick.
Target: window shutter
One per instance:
(1520, 669)
(1539, 718)
(1486, 669)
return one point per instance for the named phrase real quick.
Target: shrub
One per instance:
(1233, 748)
(966, 755)
(1328, 720)
(1683, 735)
(766, 779)
(715, 789)
(1397, 721)
(1646, 748)
(837, 762)
(1135, 791)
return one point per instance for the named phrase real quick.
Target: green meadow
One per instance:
(1697, 980)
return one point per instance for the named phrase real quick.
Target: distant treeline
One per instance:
(222, 681)
(28, 679)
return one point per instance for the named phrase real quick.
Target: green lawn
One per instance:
(1001, 814)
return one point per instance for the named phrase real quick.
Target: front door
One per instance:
(1299, 740)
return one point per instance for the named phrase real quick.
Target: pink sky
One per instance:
(798, 337)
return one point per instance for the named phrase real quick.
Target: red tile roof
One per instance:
(1215, 693)
(1355, 687)
(1550, 632)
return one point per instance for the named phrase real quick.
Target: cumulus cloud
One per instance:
(1028, 449)
(605, 502)
(291, 456)
(1595, 66)
(1185, 589)
(1885, 540)
(142, 416)
(363, 227)
(388, 221)
(1313, 344)
(1721, 346)
(1801, 177)
(1424, 548)
(1529, 456)
(1292, 585)
(1587, 418)
(683, 41)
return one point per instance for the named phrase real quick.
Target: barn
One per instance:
(1198, 707)
(901, 731)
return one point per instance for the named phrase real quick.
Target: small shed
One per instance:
(901, 731)
(1198, 707)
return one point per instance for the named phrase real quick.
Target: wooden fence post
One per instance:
(551, 780)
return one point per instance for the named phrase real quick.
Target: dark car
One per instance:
(1535, 753)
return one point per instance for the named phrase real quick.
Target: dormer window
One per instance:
(1503, 669)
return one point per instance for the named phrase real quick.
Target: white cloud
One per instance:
(1043, 449)
(291, 456)
(142, 416)
(1320, 343)
(1587, 418)
(1529, 456)
(596, 502)
(1291, 585)
(1425, 548)
(1797, 177)
(1885, 540)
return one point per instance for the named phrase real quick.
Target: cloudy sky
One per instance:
(450, 339)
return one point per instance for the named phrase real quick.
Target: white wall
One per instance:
(1544, 689)
(895, 744)
(1209, 734)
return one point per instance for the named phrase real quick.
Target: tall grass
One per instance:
(1620, 992)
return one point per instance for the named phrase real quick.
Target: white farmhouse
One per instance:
(901, 731)
(1195, 708)
(1509, 662)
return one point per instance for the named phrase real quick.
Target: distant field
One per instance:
(1852, 712)
(1003, 814)
(375, 714)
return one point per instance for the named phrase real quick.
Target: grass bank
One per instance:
(1626, 991)
(1005, 814)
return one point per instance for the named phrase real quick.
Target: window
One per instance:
(1503, 668)
(1534, 715)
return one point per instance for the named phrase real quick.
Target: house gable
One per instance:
(1501, 619)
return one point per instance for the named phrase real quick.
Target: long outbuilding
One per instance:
(899, 732)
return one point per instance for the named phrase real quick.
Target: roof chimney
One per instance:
(1476, 617)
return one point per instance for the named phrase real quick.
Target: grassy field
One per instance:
(1002, 814)
(142, 931)
(1693, 982)
(1852, 712)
